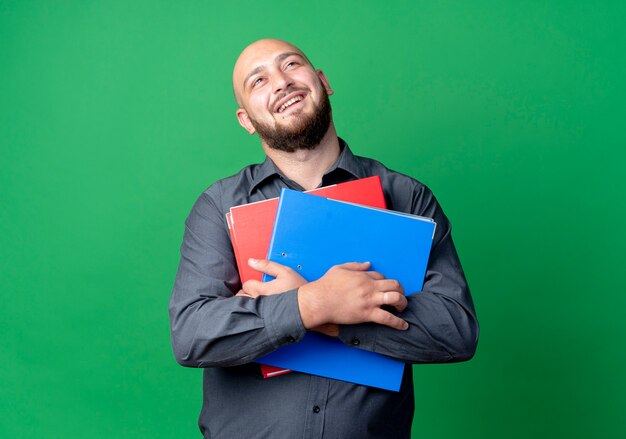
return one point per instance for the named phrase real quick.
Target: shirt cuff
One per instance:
(282, 318)
(361, 336)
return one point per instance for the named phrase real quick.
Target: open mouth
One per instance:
(290, 103)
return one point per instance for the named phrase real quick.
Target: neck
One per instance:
(307, 167)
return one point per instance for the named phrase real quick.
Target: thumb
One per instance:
(252, 287)
(266, 266)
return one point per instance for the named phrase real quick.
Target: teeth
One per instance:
(289, 102)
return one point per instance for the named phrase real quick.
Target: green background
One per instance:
(116, 115)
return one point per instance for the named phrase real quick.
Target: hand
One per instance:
(329, 329)
(285, 279)
(349, 294)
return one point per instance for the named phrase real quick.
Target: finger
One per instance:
(389, 285)
(357, 266)
(393, 298)
(252, 288)
(242, 293)
(385, 318)
(268, 267)
(375, 275)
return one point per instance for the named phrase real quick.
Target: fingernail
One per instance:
(252, 261)
(405, 326)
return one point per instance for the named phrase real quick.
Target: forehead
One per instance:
(259, 55)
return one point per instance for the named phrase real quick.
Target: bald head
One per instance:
(257, 57)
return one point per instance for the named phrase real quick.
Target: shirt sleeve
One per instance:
(442, 321)
(210, 326)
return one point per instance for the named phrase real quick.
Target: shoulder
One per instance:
(403, 192)
(374, 167)
(232, 190)
(217, 199)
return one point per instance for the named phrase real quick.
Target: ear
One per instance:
(244, 120)
(324, 80)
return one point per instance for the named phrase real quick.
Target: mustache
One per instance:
(290, 89)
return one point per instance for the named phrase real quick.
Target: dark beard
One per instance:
(306, 133)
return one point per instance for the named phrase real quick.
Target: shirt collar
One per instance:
(346, 161)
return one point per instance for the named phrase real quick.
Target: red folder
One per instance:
(251, 225)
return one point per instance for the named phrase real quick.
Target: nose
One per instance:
(281, 81)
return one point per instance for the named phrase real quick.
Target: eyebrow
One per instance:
(278, 59)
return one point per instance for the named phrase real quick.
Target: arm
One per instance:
(210, 326)
(436, 325)
(442, 321)
(347, 294)
(348, 302)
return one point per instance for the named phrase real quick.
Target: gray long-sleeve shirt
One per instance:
(223, 333)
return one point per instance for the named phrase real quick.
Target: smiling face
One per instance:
(281, 96)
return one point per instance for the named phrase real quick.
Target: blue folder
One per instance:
(311, 234)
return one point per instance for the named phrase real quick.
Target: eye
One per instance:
(257, 81)
(292, 64)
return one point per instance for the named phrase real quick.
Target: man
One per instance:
(223, 327)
